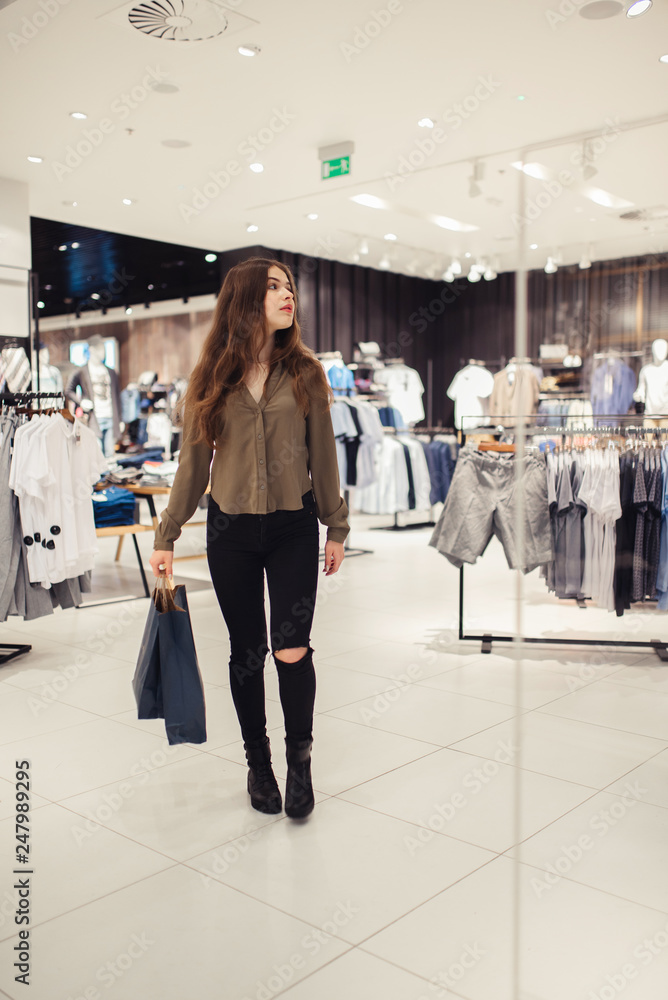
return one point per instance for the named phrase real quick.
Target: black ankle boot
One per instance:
(262, 786)
(299, 799)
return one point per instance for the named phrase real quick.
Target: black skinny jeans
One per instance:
(241, 548)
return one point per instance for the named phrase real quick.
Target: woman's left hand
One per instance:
(333, 557)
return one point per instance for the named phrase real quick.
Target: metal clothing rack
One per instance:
(486, 639)
(13, 649)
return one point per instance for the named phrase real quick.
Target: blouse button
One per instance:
(259, 437)
(262, 486)
(261, 461)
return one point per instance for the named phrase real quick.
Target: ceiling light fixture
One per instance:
(210, 257)
(536, 170)
(426, 123)
(664, 59)
(257, 168)
(127, 201)
(75, 246)
(389, 236)
(638, 8)
(36, 159)
(95, 295)
(40, 304)
(412, 265)
(369, 201)
(585, 260)
(533, 246)
(249, 50)
(474, 274)
(550, 266)
(128, 311)
(63, 246)
(363, 247)
(312, 216)
(448, 276)
(251, 228)
(604, 198)
(588, 169)
(431, 270)
(598, 10)
(477, 175)
(77, 114)
(452, 224)
(384, 262)
(455, 266)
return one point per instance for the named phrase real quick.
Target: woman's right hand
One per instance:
(164, 558)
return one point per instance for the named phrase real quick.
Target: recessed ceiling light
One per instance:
(312, 216)
(95, 295)
(75, 246)
(257, 168)
(128, 201)
(521, 97)
(40, 304)
(533, 246)
(63, 246)
(664, 59)
(128, 311)
(598, 10)
(389, 236)
(36, 159)
(467, 254)
(426, 123)
(77, 114)
(369, 201)
(175, 143)
(638, 8)
(452, 224)
(252, 228)
(70, 204)
(210, 257)
(249, 50)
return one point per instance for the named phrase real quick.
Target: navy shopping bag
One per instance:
(167, 683)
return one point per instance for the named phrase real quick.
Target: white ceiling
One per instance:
(578, 77)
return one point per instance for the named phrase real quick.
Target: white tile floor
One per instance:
(456, 824)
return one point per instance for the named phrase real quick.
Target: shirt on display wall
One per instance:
(470, 389)
(404, 390)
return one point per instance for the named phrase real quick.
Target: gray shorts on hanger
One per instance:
(482, 502)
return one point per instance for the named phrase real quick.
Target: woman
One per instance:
(258, 402)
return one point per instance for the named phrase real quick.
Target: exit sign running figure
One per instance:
(335, 168)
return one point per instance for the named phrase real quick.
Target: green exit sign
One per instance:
(335, 168)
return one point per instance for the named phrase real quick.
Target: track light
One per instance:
(455, 267)
(384, 263)
(363, 247)
(477, 175)
(638, 8)
(489, 274)
(588, 169)
(476, 272)
(550, 266)
(585, 260)
(448, 276)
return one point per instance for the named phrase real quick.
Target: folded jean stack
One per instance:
(113, 506)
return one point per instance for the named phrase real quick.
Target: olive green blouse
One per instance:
(267, 456)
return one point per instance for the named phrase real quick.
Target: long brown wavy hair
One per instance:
(234, 343)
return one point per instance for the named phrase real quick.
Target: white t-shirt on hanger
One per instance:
(470, 389)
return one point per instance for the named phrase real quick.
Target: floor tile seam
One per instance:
(90, 902)
(520, 767)
(424, 826)
(403, 968)
(388, 732)
(125, 836)
(636, 687)
(309, 975)
(59, 729)
(116, 781)
(490, 701)
(635, 768)
(417, 906)
(264, 902)
(382, 774)
(601, 725)
(557, 819)
(587, 885)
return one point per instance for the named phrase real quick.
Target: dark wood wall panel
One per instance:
(621, 304)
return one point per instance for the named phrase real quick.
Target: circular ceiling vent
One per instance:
(180, 20)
